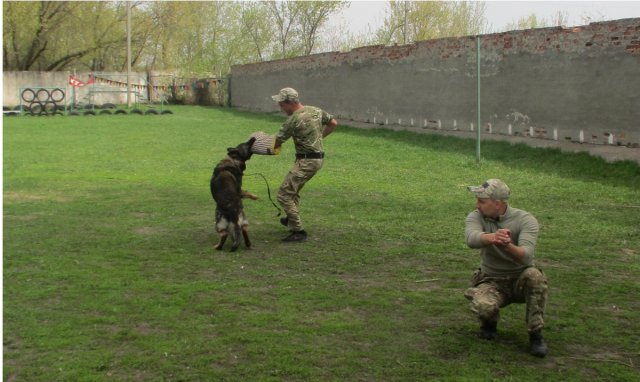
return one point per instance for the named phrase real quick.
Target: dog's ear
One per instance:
(251, 141)
(232, 150)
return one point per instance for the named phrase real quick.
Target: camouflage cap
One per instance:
(491, 189)
(286, 94)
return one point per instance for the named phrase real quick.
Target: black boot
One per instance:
(489, 330)
(296, 236)
(537, 346)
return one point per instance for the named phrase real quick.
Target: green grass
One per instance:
(110, 275)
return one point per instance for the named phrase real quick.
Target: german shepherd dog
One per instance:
(226, 189)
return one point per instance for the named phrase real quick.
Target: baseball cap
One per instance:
(286, 94)
(491, 189)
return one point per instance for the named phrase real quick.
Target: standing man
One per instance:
(506, 237)
(307, 125)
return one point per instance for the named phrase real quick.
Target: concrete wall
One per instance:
(110, 87)
(579, 84)
(15, 82)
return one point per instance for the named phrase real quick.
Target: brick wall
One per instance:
(580, 84)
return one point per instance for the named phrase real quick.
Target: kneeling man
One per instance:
(506, 237)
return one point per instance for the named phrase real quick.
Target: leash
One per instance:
(268, 191)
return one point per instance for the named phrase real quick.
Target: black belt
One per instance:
(309, 155)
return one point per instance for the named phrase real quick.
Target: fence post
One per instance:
(478, 113)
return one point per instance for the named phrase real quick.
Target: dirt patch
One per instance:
(149, 231)
(583, 353)
(22, 197)
(24, 217)
(629, 255)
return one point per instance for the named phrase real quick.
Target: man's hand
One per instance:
(328, 129)
(501, 237)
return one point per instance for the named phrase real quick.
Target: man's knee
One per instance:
(486, 309)
(534, 280)
(484, 304)
(533, 274)
(286, 193)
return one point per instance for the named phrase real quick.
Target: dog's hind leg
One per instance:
(245, 234)
(236, 236)
(244, 224)
(221, 228)
(223, 237)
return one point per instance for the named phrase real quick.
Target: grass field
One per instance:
(109, 272)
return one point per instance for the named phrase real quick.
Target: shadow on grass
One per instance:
(580, 166)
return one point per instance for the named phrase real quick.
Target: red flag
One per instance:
(75, 82)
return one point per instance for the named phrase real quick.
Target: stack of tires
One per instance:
(42, 101)
(51, 101)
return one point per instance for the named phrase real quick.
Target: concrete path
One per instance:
(610, 153)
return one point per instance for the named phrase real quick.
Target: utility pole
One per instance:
(404, 29)
(478, 112)
(128, 53)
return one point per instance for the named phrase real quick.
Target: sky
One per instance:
(501, 13)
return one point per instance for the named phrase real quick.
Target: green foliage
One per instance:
(193, 37)
(109, 271)
(533, 21)
(53, 35)
(257, 25)
(529, 22)
(409, 21)
(313, 15)
(297, 24)
(28, 29)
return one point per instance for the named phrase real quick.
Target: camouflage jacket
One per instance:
(305, 126)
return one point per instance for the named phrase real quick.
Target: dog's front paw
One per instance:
(246, 194)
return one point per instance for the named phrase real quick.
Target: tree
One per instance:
(285, 14)
(52, 35)
(342, 40)
(313, 15)
(203, 37)
(257, 24)
(296, 25)
(528, 22)
(467, 19)
(28, 30)
(100, 47)
(408, 21)
(194, 37)
(533, 21)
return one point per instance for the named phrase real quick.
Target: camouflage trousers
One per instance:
(488, 294)
(289, 192)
